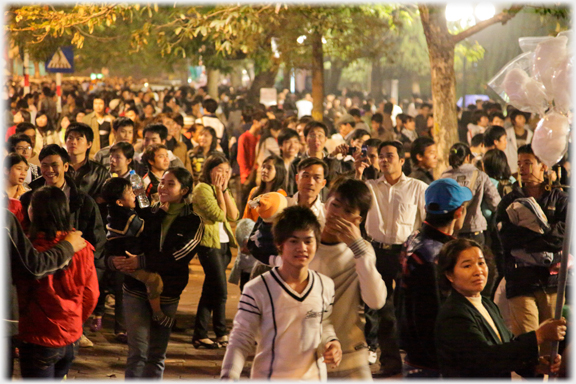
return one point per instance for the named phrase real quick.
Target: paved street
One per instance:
(106, 360)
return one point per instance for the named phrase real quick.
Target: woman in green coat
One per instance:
(213, 202)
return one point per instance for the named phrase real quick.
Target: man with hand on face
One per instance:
(349, 260)
(397, 210)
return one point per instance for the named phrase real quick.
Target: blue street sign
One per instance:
(62, 61)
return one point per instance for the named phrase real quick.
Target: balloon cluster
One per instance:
(538, 81)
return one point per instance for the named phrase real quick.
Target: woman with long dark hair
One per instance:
(213, 202)
(53, 309)
(172, 232)
(483, 191)
(273, 179)
(46, 133)
(207, 143)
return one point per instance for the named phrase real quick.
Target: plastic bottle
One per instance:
(138, 188)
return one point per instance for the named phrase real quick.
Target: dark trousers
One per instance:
(101, 273)
(384, 319)
(214, 291)
(37, 361)
(119, 326)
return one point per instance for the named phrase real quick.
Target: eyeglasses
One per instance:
(23, 149)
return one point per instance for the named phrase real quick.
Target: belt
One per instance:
(379, 245)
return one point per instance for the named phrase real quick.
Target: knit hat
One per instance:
(269, 205)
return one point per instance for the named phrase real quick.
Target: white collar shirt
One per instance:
(397, 210)
(317, 208)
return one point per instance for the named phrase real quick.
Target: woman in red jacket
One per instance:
(53, 309)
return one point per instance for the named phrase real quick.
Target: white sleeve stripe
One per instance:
(189, 246)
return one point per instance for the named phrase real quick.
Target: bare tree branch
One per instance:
(502, 17)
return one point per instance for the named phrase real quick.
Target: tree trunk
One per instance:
(376, 79)
(36, 70)
(213, 78)
(236, 76)
(263, 79)
(317, 76)
(441, 52)
(334, 76)
(287, 76)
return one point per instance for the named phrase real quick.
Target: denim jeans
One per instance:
(147, 340)
(37, 361)
(214, 291)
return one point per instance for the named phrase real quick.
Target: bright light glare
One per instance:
(145, 85)
(92, 76)
(189, 80)
(323, 40)
(301, 39)
(485, 11)
(458, 11)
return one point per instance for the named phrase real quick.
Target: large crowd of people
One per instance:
(353, 241)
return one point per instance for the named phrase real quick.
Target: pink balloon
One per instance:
(550, 140)
(561, 81)
(525, 93)
(548, 56)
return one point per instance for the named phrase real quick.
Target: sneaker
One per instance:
(121, 337)
(96, 324)
(85, 342)
(372, 357)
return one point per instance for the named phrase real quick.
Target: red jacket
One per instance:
(246, 154)
(53, 309)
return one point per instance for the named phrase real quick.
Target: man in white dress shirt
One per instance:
(398, 208)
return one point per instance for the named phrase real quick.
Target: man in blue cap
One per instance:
(418, 295)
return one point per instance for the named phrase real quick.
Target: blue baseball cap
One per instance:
(445, 195)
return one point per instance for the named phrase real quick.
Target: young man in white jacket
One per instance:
(350, 261)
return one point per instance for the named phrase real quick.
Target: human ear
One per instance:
(449, 276)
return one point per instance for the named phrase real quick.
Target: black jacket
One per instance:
(419, 297)
(89, 178)
(84, 216)
(421, 174)
(468, 346)
(522, 280)
(171, 259)
(25, 260)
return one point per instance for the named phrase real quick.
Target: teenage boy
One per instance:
(286, 311)
(518, 135)
(424, 156)
(88, 175)
(315, 133)
(349, 260)
(478, 125)
(123, 131)
(477, 147)
(100, 123)
(418, 297)
(154, 134)
(531, 288)
(495, 137)
(156, 156)
(289, 143)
